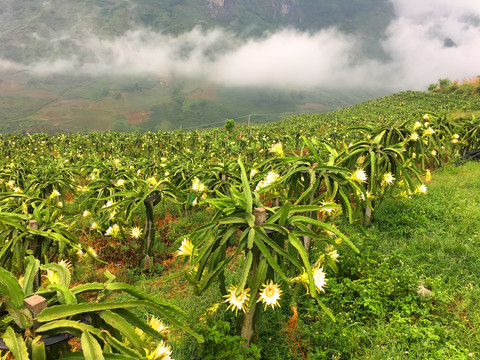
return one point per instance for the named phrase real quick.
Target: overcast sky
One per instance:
(414, 44)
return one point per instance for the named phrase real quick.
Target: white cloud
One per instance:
(435, 9)
(291, 58)
(415, 41)
(7, 65)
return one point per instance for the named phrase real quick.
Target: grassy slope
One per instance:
(432, 240)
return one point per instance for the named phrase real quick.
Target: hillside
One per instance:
(62, 103)
(48, 29)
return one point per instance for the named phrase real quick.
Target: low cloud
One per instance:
(291, 58)
(426, 41)
(416, 41)
(7, 65)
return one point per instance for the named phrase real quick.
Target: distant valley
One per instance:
(79, 104)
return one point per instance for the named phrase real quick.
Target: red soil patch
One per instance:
(22, 85)
(162, 226)
(168, 263)
(179, 286)
(136, 117)
(114, 252)
(9, 88)
(75, 344)
(121, 255)
(68, 197)
(313, 106)
(167, 219)
(113, 268)
(206, 93)
(73, 103)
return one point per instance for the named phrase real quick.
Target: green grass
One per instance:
(438, 232)
(429, 240)
(434, 238)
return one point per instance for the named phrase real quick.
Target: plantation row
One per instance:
(275, 202)
(389, 110)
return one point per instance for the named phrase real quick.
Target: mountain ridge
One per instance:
(47, 29)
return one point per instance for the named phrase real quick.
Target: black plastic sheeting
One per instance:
(50, 340)
(471, 155)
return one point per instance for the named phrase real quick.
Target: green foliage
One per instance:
(109, 321)
(432, 86)
(220, 344)
(470, 87)
(33, 225)
(444, 84)
(229, 125)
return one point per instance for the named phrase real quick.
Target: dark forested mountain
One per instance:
(34, 28)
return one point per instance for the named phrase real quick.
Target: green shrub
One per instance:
(220, 344)
(229, 125)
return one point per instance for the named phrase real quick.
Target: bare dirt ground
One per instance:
(313, 106)
(136, 117)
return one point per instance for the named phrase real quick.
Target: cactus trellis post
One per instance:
(35, 247)
(149, 232)
(35, 304)
(308, 239)
(248, 323)
(33, 224)
(368, 214)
